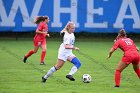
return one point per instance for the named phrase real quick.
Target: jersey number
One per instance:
(128, 42)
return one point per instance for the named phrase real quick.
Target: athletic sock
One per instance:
(29, 53)
(73, 70)
(43, 56)
(138, 72)
(50, 72)
(117, 77)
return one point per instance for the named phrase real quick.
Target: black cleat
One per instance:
(24, 59)
(42, 63)
(43, 80)
(70, 77)
(116, 86)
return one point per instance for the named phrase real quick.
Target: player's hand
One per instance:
(108, 57)
(62, 33)
(76, 48)
(48, 35)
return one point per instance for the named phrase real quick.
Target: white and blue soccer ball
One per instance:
(86, 78)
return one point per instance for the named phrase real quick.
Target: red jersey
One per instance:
(126, 45)
(41, 27)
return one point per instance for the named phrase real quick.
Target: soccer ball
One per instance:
(86, 78)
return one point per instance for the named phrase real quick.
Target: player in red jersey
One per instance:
(40, 38)
(131, 55)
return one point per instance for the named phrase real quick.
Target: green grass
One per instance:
(17, 77)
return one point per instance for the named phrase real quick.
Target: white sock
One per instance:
(73, 70)
(50, 72)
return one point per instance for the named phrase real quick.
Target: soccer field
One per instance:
(17, 77)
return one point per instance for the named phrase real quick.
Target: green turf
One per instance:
(17, 77)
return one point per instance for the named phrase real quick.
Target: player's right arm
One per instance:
(62, 33)
(40, 32)
(115, 46)
(40, 29)
(110, 53)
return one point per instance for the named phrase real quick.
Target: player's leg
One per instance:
(30, 53)
(121, 66)
(76, 62)
(73, 59)
(136, 64)
(137, 69)
(43, 47)
(57, 66)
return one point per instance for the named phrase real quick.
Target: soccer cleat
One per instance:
(42, 63)
(70, 77)
(43, 80)
(24, 59)
(116, 86)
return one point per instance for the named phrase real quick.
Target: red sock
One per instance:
(43, 56)
(117, 77)
(138, 72)
(29, 53)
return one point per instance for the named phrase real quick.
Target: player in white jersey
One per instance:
(65, 53)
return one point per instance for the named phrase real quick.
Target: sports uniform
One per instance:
(64, 53)
(40, 39)
(131, 54)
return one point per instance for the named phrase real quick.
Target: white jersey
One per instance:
(64, 53)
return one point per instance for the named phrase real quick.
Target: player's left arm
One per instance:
(135, 46)
(67, 46)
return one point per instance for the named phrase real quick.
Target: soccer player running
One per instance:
(39, 38)
(65, 53)
(131, 55)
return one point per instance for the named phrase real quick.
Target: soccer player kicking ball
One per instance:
(40, 38)
(131, 55)
(65, 53)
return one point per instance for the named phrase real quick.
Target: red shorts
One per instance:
(133, 58)
(39, 42)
